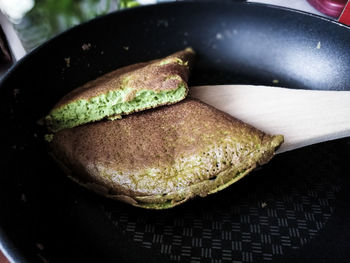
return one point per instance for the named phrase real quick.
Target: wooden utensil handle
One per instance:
(304, 117)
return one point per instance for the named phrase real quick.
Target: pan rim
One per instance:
(145, 7)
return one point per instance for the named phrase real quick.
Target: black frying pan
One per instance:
(295, 209)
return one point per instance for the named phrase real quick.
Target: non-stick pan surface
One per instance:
(295, 209)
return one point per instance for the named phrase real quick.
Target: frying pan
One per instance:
(295, 209)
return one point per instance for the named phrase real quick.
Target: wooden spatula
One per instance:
(304, 117)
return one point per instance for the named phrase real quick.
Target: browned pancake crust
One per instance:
(160, 138)
(150, 75)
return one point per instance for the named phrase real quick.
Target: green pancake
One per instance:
(163, 157)
(124, 91)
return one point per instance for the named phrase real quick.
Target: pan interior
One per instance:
(291, 208)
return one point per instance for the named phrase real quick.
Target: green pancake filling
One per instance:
(113, 103)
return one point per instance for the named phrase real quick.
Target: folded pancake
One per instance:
(163, 157)
(124, 91)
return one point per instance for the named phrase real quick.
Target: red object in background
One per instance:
(345, 16)
(3, 259)
(331, 8)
